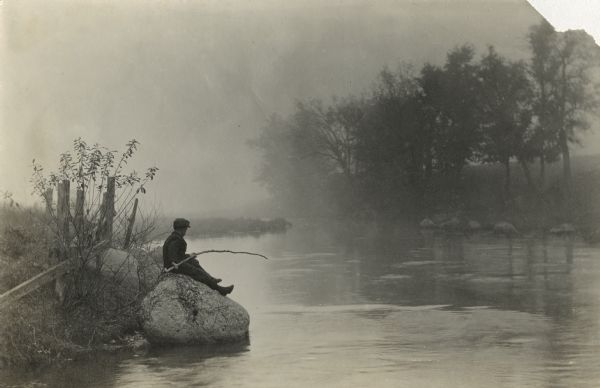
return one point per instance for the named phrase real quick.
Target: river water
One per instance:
(397, 309)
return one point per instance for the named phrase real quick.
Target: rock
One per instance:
(427, 224)
(452, 224)
(563, 229)
(505, 228)
(133, 270)
(473, 225)
(592, 237)
(180, 310)
(135, 342)
(120, 265)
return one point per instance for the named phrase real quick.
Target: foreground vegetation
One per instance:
(40, 328)
(93, 303)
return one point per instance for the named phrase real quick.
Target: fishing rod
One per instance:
(193, 255)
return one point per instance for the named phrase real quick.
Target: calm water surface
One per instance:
(398, 310)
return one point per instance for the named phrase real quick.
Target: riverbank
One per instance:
(480, 197)
(98, 311)
(221, 226)
(37, 330)
(536, 210)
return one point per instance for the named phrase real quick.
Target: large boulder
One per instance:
(180, 310)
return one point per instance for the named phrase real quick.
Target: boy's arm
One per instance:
(172, 254)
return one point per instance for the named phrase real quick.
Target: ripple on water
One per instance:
(415, 263)
(393, 277)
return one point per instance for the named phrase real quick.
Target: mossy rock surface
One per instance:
(180, 310)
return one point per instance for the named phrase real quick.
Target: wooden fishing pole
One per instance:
(193, 255)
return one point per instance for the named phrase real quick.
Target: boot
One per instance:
(217, 280)
(224, 290)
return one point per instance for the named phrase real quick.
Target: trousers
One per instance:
(194, 270)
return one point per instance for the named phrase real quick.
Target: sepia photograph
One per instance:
(299, 193)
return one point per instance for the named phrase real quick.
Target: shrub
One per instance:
(97, 305)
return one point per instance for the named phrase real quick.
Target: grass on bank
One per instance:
(37, 329)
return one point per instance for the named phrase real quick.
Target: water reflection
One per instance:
(552, 282)
(181, 366)
(523, 275)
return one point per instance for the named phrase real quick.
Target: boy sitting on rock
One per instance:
(174, 253)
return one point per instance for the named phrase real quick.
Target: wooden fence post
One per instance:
(100, 225)
(101, 230)
(63, 215)
(48, 200)
(109, 209)
(53, 243)
(78, 221)
(130, 225)
(60, 194)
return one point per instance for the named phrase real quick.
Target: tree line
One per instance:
(403, 146)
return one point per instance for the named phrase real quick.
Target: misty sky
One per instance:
(194, 80)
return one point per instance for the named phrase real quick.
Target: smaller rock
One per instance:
(452, 224)
(473, 225)
(427, 223)
(505, 228)
(563, 229)
(593, 237)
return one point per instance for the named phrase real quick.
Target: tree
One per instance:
(561, 67)
(459, 134)
(543, 68)
(388, 149)
(330, 132)
(449, 122)
(431, 116)
(577, 54)
(506, 113)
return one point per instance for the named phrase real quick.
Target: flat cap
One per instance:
(181, 223)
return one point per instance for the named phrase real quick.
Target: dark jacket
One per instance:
(174, 249)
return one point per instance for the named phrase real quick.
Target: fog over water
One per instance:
(194, 81)
(363, 301)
